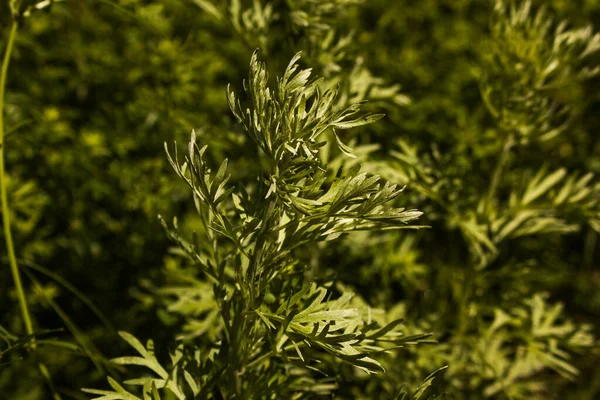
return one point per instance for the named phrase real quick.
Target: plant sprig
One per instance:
(256, 231)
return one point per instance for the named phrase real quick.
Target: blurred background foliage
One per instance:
(506, 278)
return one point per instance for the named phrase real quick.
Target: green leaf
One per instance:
(209, 8)
(345, 149)
(427, 383)
(364, 120)
(332, 315)
(538, 186)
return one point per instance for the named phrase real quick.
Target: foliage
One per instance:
(506, 222)
(490, 123)
(272, 320)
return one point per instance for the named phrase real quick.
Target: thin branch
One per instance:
(508, 143)
(14, 269)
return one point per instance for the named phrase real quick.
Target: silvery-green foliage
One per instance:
(542, 337)
(506, 220)
(273, 321)
(529, 60)
(311, 26)
(86, 181)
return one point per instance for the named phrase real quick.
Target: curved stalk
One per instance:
(14, 269)
(508, 143)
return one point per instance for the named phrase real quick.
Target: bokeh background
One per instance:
(96, 87)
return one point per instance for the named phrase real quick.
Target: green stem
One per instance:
(463, 317)
(12, 259)
(588, 252)
(508, 143)
(3, 196)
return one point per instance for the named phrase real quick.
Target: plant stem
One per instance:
(508, 143)
(3, 196)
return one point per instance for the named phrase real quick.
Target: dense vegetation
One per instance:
(301, 244)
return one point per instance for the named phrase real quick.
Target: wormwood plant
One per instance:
(279, 332)
(501, 162)
(157, 48)
(491, 292)
(279, 27)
